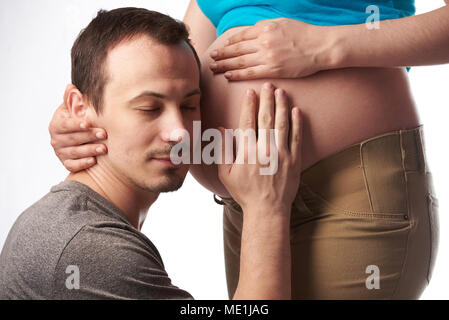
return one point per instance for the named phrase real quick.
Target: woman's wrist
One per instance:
(336, 49)
(394, 43)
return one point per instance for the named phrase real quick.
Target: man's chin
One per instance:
(168, 183)
(167, 187)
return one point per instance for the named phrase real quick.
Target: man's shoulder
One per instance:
(104, 261)
(70, 207)
(69, 234)
(104, 241)
(41, 234)
(111, 261)
(51, 222)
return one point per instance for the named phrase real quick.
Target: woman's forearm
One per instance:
(288, 48)
(413, 41)
(265, 258)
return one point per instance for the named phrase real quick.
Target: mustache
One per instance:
(160, 152)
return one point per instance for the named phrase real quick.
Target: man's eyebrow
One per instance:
(162, 96)
(193, 92)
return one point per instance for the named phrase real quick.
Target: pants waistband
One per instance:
(376, 160)
(409, 141)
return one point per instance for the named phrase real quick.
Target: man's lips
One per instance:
(166, 161)
(162, 158)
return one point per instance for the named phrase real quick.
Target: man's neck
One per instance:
(131, 200)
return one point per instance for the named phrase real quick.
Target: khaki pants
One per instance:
(364, 224)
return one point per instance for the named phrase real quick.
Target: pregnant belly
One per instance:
(339, 107)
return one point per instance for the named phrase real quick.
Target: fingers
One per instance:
(296, 135)
(234, 50)
(242, 62)
(266, 107)
(62, 122)
(77, 138)
(266, 116)
(224, 168)
(78, 165)
(60, 114)
(62, 111)
(80, 152)
(282, 121)
(247, 122)
(246, 34)
(250, 73)
(248, 111)
(67, 125)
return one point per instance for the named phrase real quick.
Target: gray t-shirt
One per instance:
(75, 244)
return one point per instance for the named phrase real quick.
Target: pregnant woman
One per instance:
(364, 224)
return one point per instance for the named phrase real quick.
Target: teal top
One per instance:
(225, 14)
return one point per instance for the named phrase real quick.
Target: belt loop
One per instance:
(220, 202)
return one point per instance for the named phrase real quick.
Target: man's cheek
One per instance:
(120, 148)
(120, 134)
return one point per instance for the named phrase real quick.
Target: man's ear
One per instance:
(76, 102)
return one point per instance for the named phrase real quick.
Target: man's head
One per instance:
(137, 75)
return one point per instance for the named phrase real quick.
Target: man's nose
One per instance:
(173, 127)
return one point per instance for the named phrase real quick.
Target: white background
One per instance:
(35, 42)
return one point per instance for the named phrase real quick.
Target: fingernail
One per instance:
(83, 125)
(213, 65)
(228, 74)
(279, 92)
(100, 150)
(267, 85)
(295, 111)
(249, 92)
(90, 161)
(100, 135)
(213, 54)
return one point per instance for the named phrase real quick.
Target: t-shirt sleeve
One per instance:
(109, 262)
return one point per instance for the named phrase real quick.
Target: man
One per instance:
(136, 75)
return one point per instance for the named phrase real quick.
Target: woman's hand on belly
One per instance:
(287, 48)
(276, 48)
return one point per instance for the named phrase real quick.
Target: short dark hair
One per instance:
(105, 31)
